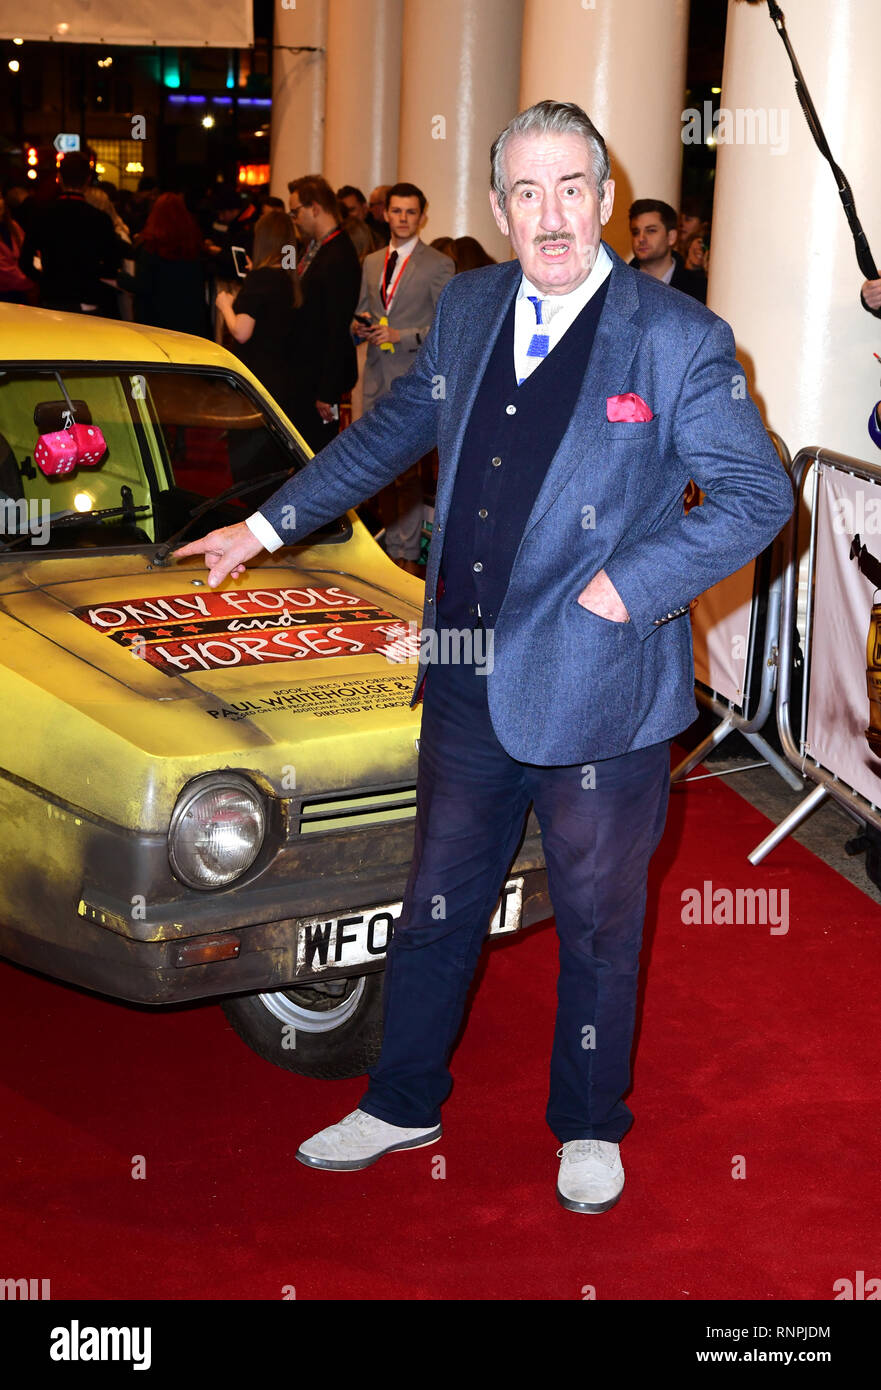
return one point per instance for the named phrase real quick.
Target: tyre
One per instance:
(330, 1031)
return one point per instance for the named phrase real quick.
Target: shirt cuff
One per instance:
(266, 534)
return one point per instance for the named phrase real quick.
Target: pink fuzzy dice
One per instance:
(90, 443)
(60, 452)
(56, 453)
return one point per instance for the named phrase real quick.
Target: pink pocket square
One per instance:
(628, 408)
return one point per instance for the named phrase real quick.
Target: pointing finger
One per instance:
(198, 547)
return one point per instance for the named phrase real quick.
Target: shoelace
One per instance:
(582, 1149)
(357, 1117)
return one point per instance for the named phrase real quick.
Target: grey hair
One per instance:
(550, 118)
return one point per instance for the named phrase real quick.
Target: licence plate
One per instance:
(357, 938)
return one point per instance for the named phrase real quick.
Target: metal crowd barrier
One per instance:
(827, 783)
(742, 718)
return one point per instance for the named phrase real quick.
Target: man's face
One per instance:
(552, 213)
(304, 218)
(352, 208)
(376, 204)
(404, 217)
(651, 240)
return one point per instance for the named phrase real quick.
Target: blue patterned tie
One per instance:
(540, 342)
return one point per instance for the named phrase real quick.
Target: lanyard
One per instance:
(310, 255)
(387, 297)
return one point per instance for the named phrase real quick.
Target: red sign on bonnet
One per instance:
(181, 633)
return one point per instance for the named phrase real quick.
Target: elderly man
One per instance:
(579, 397)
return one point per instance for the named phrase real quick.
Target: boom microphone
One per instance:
(865, 260)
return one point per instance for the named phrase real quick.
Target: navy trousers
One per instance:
(600, 825)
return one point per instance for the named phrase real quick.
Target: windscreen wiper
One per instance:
(237, 490)
(128, 512)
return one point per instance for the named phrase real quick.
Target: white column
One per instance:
(782, 265)
(623, 61)
(296, 143)
(459, 81)
(363, 92)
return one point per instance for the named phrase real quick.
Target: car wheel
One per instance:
(329, 1031)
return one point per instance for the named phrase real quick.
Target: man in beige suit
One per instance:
(400, 287)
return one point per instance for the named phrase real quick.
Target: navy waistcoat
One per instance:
(512, 435)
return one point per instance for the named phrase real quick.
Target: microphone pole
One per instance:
(845, 192)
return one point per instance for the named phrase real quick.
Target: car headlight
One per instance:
(216, 831)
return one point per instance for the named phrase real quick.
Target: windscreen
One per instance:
(116, 458)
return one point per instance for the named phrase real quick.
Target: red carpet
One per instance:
(752, 1044)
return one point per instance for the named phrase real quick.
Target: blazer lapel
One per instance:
(475, 348)
(614, 347)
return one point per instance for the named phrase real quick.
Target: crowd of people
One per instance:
(295, 291)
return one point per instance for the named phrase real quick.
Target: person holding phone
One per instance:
(241, 261)
(233, 226)
(693, 226)
(400, 288)
(263, 317)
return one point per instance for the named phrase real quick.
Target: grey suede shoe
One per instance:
(591, 1175)
(359, 1140)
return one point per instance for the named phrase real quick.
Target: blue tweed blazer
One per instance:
(567, 686)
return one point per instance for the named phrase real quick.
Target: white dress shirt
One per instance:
(559, 312)
(405, 250)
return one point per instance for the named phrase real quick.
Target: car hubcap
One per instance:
(311, 1011)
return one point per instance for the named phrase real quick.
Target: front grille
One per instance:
(357, 810)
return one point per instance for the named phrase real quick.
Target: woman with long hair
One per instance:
(262, 317)
(169, 278)
(468, 254)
